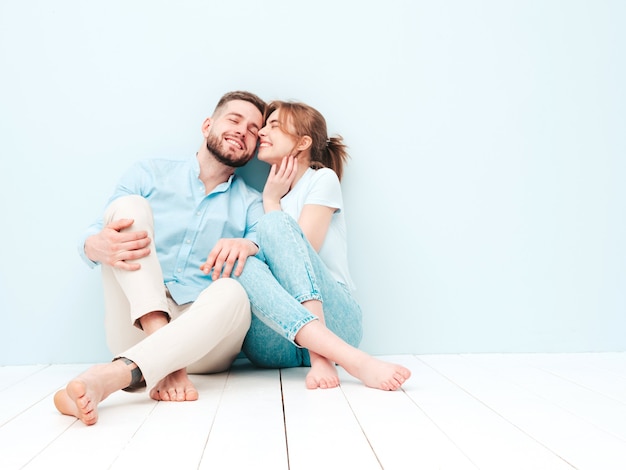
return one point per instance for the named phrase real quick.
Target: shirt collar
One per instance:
(195, 169)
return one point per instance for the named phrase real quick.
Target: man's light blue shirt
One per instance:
(187, 222)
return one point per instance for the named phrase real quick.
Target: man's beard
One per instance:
(214, 146)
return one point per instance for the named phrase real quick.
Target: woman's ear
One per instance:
(304, 143)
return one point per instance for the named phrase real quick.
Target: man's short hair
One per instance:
(243, 96)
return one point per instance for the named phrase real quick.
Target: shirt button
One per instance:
(179, 270)
(198, 214)
(187, 242)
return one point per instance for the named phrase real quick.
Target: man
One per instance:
(172, 235)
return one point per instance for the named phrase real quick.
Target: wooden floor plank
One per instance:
(248, 431)
(596, 409)
(174, 433)
(608, 361)
(554, 411)
(97, 447)
(566, 435)
(10, 375)
(614, 362)
(587, 370)
(322, 431)
(400, 433)
(35, 387)
(25, 436)
(488, 439)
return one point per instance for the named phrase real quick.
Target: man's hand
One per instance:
(225, 254)
(116, 248)
(279, 182)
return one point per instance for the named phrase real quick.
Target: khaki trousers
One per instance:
(205, 336)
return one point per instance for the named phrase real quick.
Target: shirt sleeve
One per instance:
(131, 182)
(92, 230)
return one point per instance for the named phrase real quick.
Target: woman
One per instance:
(308, 258)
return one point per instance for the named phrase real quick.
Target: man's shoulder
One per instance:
(161, 166)
(164, 162)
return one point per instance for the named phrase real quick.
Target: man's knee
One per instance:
(229, 288)
(229, 293)
(132, 206)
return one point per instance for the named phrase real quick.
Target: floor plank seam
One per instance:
(583, 386)
(13, 384)
(219, 402)
(369, 443)
(134, 434)
(443, 432)
(50, 444)
(282, 402)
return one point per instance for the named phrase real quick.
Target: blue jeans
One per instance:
(291, 274)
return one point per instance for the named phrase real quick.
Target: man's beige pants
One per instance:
(205, 336)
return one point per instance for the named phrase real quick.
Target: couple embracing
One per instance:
(197, 266)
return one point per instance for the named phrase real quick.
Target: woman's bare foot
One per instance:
(376, 373)
(323, 373)
(175, 387)
(83, 394)
(371, 371)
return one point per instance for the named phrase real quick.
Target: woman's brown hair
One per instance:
(299, 119)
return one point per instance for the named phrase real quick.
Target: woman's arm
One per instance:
(314, 221)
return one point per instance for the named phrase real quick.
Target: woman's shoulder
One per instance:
(324, 183)
(324, 174)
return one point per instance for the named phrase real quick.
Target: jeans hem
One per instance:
(298, 326)
(309, 296)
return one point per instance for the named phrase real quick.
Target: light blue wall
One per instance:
(485, 196)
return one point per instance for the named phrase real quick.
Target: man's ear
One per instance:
(304, 143)
(205, 126)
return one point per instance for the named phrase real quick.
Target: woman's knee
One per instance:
(275, 221)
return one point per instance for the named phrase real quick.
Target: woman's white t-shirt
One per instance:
(322, 187)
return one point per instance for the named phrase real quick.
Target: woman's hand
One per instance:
(279, 182)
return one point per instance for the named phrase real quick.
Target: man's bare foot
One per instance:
(175, 387)
(83, 394)
(376, 373)
(323, 373)
(67, 405)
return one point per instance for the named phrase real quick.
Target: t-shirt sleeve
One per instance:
(325, 190)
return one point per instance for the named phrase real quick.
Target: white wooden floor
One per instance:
(503, 412)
